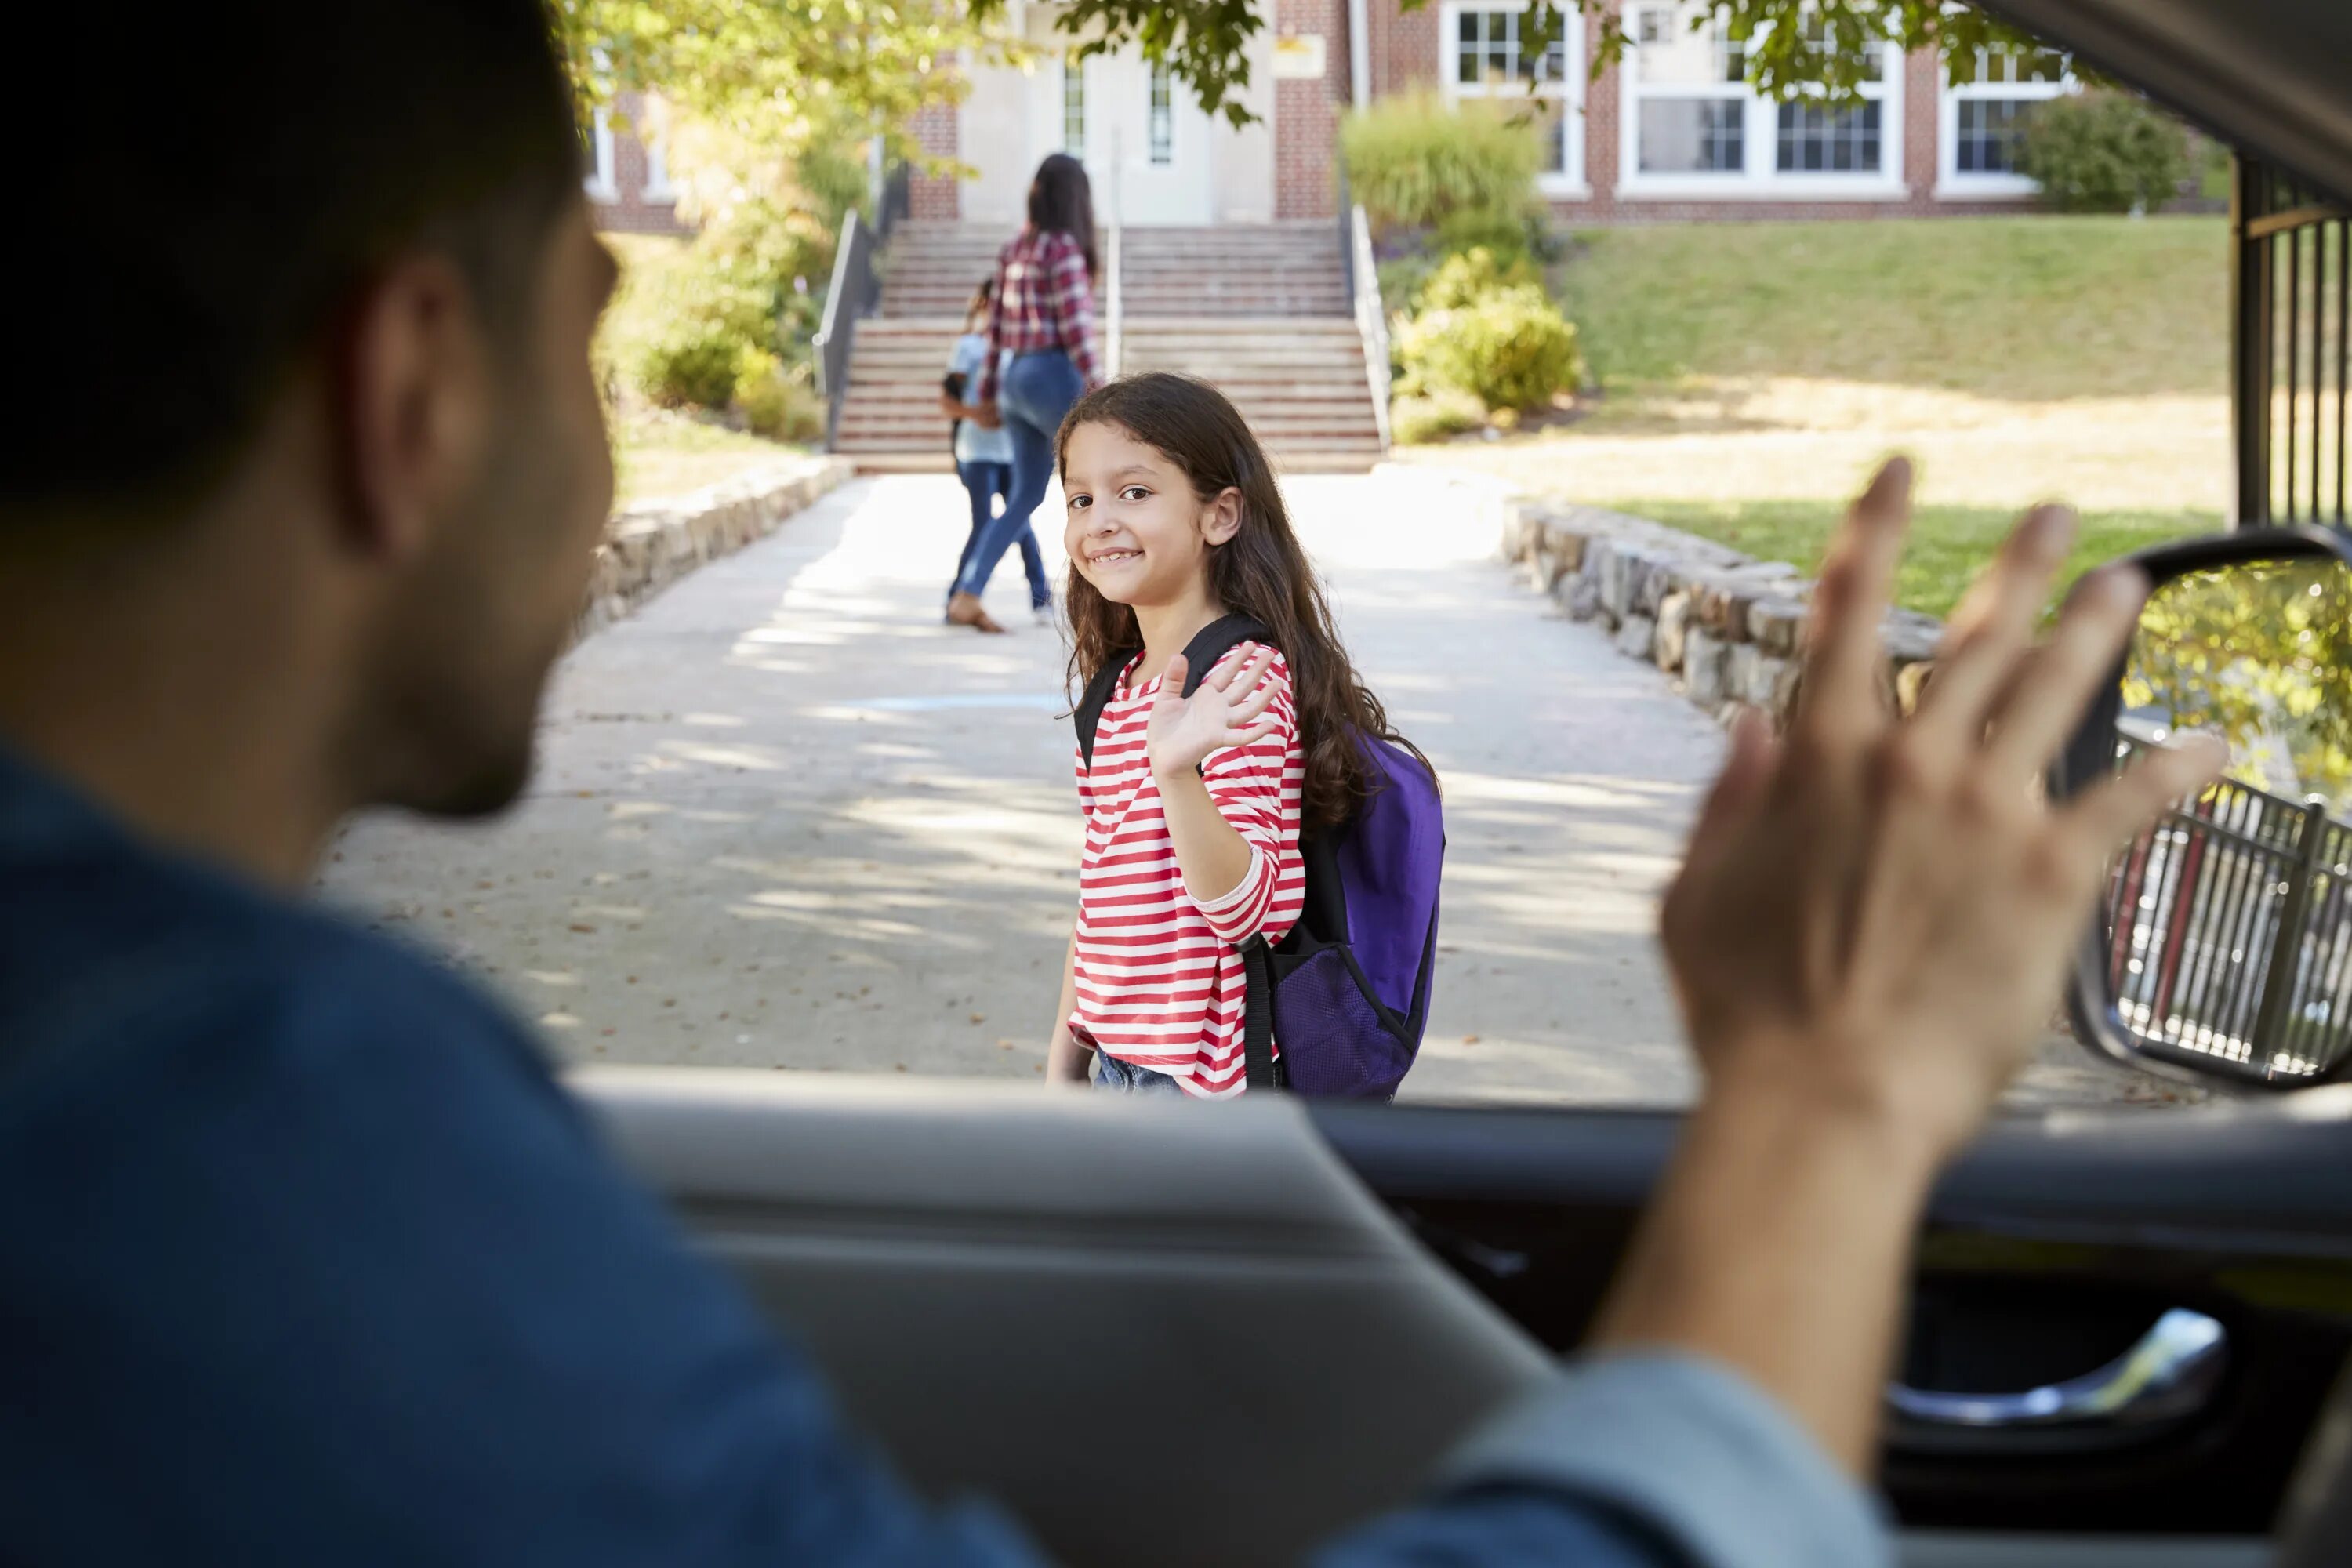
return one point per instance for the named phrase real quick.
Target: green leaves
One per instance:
(773, 73)
(772, 69)
(2261, 655)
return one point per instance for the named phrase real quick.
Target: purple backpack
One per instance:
(1347, 990)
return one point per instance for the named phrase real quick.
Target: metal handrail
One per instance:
(849, 296)
(894, 202)
(1371, 316)
(1114, 304)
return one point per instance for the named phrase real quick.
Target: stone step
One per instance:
(1265, 421)
(1228, 326)
(940, 462)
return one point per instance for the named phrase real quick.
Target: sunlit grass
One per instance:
(660, 453)
(2023, 308)
(1947, 545)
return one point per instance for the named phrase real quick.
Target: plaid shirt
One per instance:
(1044, 300)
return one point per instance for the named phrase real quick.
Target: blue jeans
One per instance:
(1037, 395)
(1125, 1077)
(985, 483)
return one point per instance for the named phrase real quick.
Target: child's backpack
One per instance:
(1347, 990)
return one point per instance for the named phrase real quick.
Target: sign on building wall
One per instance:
(1299, 57)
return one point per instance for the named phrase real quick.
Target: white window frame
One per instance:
(1951, 185)
(1571, 183)
(599, 183)
(1758, 179)
(652, 135)
(657, 188)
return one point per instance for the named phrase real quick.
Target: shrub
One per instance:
(684, 318)
(1414, 162)
(1446, 411)
(775, 402)
(1511, 349)
(2103, 152)
(1508, 235)
(1462, 280)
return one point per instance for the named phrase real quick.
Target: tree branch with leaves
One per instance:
(1791, 47)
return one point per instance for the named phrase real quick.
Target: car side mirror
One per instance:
(2222, 948)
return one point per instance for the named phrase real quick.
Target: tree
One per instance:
(2261, 655)
(775, 73)
(1791, 47)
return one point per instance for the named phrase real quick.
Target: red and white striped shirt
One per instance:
(1160, 983)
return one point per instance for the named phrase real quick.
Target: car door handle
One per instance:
(2168, 1374)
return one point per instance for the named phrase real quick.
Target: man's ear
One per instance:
(1223, 517)
(413, 405)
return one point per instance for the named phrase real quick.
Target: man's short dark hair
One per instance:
(229, 174)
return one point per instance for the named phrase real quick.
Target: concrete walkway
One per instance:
(785, 818)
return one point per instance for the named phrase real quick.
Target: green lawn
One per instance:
(660, 453)
(1948, 544)
(1752, 376)
(2012, 308)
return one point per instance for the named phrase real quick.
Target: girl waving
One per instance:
(1196, 784)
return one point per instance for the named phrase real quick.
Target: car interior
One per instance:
(2129, 1327)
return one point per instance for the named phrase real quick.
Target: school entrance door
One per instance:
(1145, 138)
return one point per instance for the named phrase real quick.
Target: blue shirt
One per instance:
(307, 1257)
(974, 444)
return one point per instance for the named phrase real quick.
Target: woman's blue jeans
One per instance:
(984, 482)
(1035, 395)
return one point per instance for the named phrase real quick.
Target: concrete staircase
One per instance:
(1261, 311)
(1275, 269)
(1299, 381)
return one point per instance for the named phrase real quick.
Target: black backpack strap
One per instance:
(1260, 1070)
(1215, 640)
(1099, 693)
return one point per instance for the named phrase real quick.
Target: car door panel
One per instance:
(2047, 1250)
(1083, 1304)
(1040, 1294)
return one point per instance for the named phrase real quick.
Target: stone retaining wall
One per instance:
(1726, 626)
(651, 545)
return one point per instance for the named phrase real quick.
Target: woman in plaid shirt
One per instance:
(1044, 318)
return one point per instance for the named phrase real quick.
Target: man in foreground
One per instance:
(308, 1257)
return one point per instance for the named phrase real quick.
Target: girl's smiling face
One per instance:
(1136, 531)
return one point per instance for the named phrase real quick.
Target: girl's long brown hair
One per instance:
(1262, 571)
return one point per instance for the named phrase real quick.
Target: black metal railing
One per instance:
(850, 295)
(2289, 278)
(2229, 927)
(894, 203)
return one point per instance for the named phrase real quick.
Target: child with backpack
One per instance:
(1257, 900)
(983, 458)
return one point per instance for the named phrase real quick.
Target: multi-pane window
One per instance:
(1073, 107)
(1486, 52)
(1162, 124)
(1691, 118)
(1691, 89)
(1484, 59)
(1817, 140)
(1985, 114)
(1693, 136)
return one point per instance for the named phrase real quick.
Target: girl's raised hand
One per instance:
(1229, 710)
